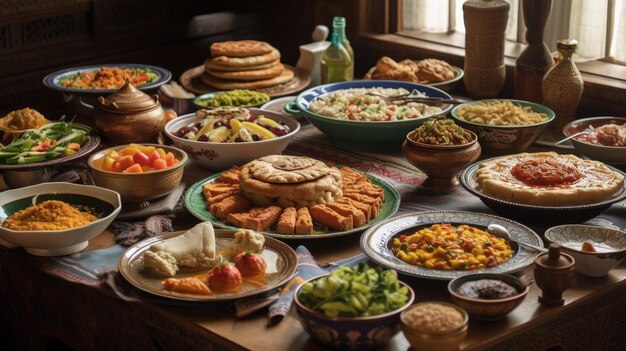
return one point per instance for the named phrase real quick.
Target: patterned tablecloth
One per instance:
(88, 267)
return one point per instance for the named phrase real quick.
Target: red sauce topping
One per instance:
(545, 173)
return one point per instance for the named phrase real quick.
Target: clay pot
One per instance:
(129, 116)
(553, 273)
(442, 163)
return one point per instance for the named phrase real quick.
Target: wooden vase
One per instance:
(535, 60)
(485, 25)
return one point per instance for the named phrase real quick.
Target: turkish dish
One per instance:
(607, 135)
(48, 215)
(360, 104)
(244, 64)
(425, 71)
(237, 97)
(449, 247)
(362, 291)
(26, 118)
(548, 179)
(231, 125)
(489, 289)
(219, 271)
(136, 158)
(292, 194)
(441, 131)
(44, 143)
(500, 113)
(108, 78)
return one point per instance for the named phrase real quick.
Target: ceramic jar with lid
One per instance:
(129, 116)
(553, 273)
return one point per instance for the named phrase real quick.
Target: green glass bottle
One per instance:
(339, 27)
(335, 62)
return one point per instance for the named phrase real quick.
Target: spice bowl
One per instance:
(103, 203)
(441, 163)
(446, 333)
(484, 307)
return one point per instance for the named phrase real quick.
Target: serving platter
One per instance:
(191, 81)
(52, 79)
(533, 214)
(196, 204)
(91, 143)
(280, 258)
(376, 242)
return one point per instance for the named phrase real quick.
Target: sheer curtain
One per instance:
(598, 25)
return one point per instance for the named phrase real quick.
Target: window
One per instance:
(598, 25)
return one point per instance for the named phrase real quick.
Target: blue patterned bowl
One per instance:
(351, 333)
(610, 245)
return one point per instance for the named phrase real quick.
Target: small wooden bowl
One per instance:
(442, 163)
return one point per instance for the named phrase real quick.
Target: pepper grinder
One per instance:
(553, 272)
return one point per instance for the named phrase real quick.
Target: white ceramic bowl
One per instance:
(220, 156)
(59, 242)
(610, 245)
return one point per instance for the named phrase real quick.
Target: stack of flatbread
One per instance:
(244, 64)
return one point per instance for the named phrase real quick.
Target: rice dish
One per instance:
(355, 104)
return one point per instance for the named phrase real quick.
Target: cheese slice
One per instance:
(194, 248)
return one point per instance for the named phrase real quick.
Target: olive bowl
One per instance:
(488, 309)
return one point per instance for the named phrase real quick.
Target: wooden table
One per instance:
(40, 310)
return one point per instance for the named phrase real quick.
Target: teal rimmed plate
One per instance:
(196, 204)
(376, 242)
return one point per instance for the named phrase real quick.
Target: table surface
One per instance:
(221, 328)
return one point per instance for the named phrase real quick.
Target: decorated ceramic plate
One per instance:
(376, 242)
(281, 266)
(533, 214)
(196, 204)
(77, 80)
(91, 143)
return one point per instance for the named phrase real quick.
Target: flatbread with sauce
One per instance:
(548, 179)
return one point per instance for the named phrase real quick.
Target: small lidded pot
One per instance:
(434, 326)
(130, 116)
(553, 273)
(441, 149)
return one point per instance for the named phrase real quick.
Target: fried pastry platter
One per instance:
(292, 197)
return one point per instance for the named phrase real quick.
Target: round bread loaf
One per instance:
(230, 84)
(290, 181)
(246, 61)
(258, 74)
(240, 48)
